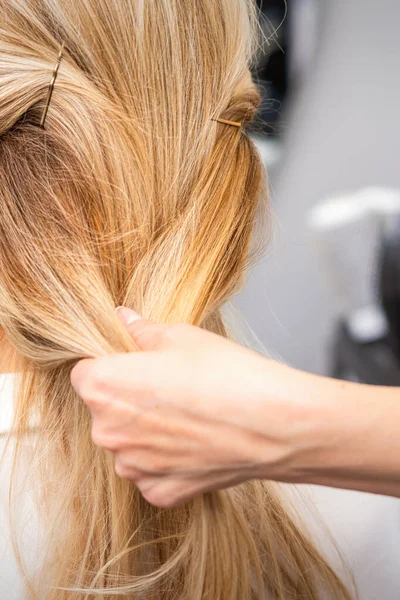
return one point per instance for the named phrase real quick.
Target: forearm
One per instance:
(194, 412)
(352, 438)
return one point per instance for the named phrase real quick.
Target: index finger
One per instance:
(128, 377)
(80, 375)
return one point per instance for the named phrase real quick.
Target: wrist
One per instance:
(312, 426)
(353, 440)
(317, 430)
(324, 445)
(299, 423)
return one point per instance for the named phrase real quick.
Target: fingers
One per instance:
(93, 377)
(147, 335)
(132, 397)
(80, 376)
(127, 315)
(126, 378)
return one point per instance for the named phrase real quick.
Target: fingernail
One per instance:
(127, 315)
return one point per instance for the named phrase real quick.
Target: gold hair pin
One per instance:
(225, 122)
(51, 86)
(51, 89)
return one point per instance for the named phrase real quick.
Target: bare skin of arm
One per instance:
(194, 412)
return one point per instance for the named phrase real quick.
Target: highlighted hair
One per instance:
(132, 195)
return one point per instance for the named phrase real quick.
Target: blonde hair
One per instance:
(131, 195)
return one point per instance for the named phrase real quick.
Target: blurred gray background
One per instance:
(341, 132)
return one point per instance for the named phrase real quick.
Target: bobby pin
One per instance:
(51, 87)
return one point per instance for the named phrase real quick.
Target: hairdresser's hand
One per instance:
(190, 413)
(194, 412)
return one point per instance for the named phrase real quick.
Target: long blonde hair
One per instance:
(131, 195)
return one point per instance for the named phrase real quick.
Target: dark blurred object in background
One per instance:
(336, 132)
(376, 362)
(358, 236)
(289, 30)
(390, 284)
(272, 71)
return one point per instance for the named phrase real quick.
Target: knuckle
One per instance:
(81, 378)
(123, 469)
(90, 382)
(98, 438)
(102, 439)
(98, 379)
(157, 496)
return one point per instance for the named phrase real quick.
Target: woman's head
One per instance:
(132, 191)
(131, 195)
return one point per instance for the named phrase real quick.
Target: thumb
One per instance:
(128, 316)
(147, 335)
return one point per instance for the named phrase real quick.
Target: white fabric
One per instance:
(365, 528)
(6, 409)
(29, 533)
